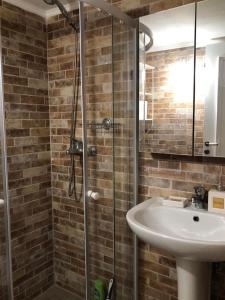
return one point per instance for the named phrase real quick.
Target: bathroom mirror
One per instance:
(210, 79)
(167, 81)
(182, 83)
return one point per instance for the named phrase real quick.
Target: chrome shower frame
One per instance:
(133, 23)
(4, 170)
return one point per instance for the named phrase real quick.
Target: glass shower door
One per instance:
(96, 86)
(109, 93)
(125, 147)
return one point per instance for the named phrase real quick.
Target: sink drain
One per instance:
(196, 219)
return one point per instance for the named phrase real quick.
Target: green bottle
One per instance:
(100, 290)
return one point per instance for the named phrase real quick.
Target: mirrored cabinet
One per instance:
(210, 78)
(182, 81)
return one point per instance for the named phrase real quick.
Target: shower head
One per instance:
(63, 11)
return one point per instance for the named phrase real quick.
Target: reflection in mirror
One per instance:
(166, 82)
(210, 78)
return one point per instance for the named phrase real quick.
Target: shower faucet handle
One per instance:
(76, 148)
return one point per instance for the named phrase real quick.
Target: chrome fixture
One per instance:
(76, 148)
(208, 144)
(144, 29)
(5, 188)
(63, 11)
(106, 124)
(199, 198)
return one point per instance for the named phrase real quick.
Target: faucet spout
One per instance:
(199, 198)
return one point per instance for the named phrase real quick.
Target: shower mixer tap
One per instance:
(76, 148)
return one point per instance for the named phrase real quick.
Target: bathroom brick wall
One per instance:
(24, 47)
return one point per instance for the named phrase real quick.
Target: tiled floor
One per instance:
(55, 293)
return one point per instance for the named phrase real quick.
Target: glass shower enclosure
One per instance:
(108, 124)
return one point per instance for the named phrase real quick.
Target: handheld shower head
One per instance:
(63, 11)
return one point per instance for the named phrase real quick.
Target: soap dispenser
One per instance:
(216, 200)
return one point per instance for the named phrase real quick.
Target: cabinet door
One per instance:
(210, 79)
(166, 100)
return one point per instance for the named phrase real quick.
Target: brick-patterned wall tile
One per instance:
(24, 42)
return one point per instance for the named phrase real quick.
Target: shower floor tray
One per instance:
(56, 293)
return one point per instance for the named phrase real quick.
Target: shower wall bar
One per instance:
(85, 145)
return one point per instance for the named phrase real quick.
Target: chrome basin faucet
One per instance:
(199, 198)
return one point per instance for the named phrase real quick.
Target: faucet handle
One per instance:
(200, 191)
(200, 198)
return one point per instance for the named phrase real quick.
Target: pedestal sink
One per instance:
(195, 237)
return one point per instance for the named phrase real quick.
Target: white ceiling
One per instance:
(41, 8)
(174, 28)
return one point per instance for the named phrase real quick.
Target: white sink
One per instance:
(194, 237)
(178, 230)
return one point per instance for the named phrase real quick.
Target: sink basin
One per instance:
(184, 232)
(194, 237)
